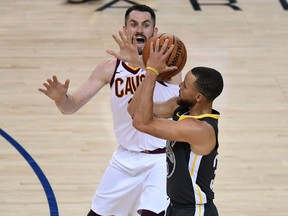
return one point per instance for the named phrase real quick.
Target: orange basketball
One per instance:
(177, 58)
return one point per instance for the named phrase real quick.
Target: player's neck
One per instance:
(200, 109)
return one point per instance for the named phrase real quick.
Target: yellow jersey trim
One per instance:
(215, 116)
(133, 68)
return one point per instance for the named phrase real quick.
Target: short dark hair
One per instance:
(142, 8)
(209, 82)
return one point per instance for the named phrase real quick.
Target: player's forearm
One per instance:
(66, 105)
(144, 110)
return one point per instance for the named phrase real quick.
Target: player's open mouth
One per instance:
(140, 40)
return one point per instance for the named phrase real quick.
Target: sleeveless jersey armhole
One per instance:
(112, 79)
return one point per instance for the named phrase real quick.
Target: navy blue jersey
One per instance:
(190, 176)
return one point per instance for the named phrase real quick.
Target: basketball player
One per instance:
(134, 181)
(192, 134)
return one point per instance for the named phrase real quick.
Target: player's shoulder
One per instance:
(104, 70)
(109, 62)
(107, 65)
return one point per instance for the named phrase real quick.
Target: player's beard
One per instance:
(140, 51)
(186, 103)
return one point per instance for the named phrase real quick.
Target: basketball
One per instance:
(177, 58)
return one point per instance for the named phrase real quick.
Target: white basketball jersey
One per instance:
(123, 86)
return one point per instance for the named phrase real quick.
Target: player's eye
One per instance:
(146, 25)
(133, 24)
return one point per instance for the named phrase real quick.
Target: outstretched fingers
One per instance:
(119, 42)
(116, 39)
(67, 82)
(165, 50)
(123, 38)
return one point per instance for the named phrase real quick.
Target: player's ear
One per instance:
(155, 31)
(125, 30)
(200, 97)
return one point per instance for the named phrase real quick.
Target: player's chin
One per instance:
(140, 48)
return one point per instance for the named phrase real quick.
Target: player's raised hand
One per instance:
(128, 50)
(54, 89)
(158, 56)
